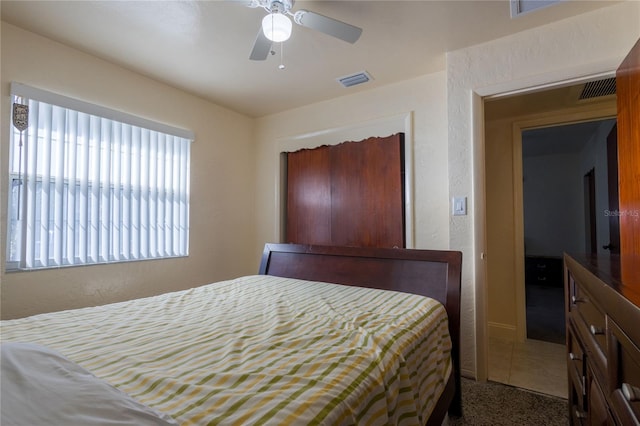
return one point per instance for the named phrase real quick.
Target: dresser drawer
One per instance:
(597, 410)
(624, 375)
(575, 360)
(590, 323)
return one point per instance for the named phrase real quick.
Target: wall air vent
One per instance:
(596, 89)
(520, 7)
(355, 79)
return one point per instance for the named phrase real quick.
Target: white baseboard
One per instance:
(502, 331)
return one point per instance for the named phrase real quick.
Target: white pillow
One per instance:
(40, 386)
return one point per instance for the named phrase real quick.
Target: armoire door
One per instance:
(351, 194)
(309, 196)
(628, 100)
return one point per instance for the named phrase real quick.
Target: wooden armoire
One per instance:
(350, 194)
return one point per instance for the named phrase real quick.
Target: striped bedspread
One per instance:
(262, 350)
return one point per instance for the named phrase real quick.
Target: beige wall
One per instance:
(500, 228)
(222, 180)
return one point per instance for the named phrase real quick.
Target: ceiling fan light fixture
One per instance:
(276, 27)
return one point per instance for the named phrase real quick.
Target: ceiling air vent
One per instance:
(596, 89)
(354, 79)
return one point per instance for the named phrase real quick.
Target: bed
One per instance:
(322, 335)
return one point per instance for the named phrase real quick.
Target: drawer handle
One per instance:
(631, 393)
(575, 300)
(580, 414)
(574, 357)
(596, 330)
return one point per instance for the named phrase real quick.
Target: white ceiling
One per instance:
(203, 46)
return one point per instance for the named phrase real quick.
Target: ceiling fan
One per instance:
(276, 26)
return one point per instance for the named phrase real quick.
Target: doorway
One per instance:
(507, 123)
(564, 187)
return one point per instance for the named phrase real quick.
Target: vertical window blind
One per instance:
(92, 185)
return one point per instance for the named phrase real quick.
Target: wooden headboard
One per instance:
(431, 273)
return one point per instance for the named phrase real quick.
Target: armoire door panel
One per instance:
(309, 196)
(628, 102)
(367, 196)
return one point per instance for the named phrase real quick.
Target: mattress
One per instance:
(261, 350)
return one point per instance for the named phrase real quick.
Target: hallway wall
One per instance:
(553, 204)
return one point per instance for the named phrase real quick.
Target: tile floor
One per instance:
(533, 364)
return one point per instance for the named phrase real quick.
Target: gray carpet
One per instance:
(494, 404)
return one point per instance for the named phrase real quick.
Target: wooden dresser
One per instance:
(603, 339)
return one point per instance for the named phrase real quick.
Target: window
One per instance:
(520, 7)
(91, 185)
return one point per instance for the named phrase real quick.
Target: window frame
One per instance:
(186, 137)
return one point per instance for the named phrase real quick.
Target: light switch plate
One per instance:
(459, 206)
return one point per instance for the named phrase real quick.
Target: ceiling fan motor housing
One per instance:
(278, 9)
(278, 6)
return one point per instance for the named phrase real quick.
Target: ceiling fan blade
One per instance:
(247, 3)
(327, 25)
(261, 47)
